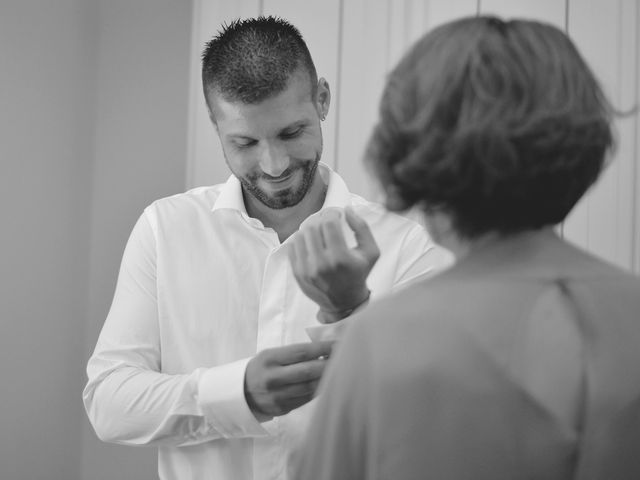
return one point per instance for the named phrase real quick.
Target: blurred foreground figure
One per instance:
(523, 360)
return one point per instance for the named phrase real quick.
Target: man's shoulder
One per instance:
(192, 201)
(378, 216)
(391, 230)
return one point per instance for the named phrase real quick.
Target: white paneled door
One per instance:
(356, 42)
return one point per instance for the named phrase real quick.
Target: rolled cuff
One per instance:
(221, 398)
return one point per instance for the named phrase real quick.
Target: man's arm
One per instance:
(129, 400)
(328, 271)
(334, 275)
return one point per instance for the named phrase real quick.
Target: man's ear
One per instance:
(323, 98)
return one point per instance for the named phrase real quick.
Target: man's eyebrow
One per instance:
(292, 126)
(239, 136)
(295, 125)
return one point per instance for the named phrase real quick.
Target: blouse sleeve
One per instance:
(336, 443)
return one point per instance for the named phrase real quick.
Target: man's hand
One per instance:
(327, 270)
(281, 379)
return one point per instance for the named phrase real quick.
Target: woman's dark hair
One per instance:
(500, 123)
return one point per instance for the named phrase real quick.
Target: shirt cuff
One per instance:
(329, 332)
(221, 398)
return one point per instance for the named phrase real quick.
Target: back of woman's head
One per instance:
(500, 124)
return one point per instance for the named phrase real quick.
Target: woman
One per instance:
(523, 360)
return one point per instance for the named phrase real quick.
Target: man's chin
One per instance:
(286, 194)
(280, 202)
(276, 200)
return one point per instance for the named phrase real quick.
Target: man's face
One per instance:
(272, 147)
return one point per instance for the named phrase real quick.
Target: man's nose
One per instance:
(274, 160)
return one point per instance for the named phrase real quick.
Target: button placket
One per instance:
(268, 455)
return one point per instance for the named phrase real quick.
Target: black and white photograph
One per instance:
(320, 240)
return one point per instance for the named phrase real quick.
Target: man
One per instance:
(204, 353)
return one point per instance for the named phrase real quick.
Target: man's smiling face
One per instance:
(272, 147)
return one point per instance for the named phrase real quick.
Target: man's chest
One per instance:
(222, 299)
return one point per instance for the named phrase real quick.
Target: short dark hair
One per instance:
(500, 123)
(251, 60)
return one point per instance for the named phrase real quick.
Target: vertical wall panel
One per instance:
(552, 11)
(363, 66)
(376, 34)
(205, 160)
(636, 152)
(594, 49)
(603, 221)
(397, 30)
(441, 11)
(627, 155)
(411, 19)
(319, 23)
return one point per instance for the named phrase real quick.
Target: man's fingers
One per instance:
(298, 373)
(313, 237)
(304, 389)
(299, 352)
(286, 404)
(333, 236)
(299, 259)
(364, 238)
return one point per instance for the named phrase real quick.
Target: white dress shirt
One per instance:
(202, 288)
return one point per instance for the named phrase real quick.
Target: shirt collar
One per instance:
(230, 197)
(337, 194)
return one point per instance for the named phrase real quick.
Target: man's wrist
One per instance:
(253, 405)
(325, 316)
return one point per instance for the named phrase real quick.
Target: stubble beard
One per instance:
(285, 198)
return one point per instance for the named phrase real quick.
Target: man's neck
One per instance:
(286, 221)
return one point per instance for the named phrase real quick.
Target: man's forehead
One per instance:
(297, 93)
(253, 128)
(268, 115)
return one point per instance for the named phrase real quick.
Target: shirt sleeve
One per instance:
(336, 444)
(127, 397)
(420, 257)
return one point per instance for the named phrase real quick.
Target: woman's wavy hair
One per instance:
(499, 123)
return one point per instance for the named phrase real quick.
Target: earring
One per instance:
(322, 117)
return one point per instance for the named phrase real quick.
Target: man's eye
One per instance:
(244, 143)
(292, 134)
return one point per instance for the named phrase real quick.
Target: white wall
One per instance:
(45, 164)
(139, 156)
(93, 115)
